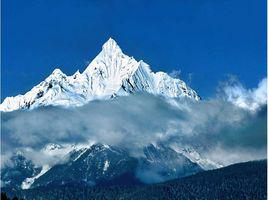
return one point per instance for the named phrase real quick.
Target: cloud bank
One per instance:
(251, 99)
(233, 126)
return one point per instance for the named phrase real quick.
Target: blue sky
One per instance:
(204, 39)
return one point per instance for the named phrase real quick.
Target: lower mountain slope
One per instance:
(239, 181)
(20, 169)
(103, 165)
(99, 163)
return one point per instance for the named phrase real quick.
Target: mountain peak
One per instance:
(111, 73)
(111, 46)
(110, 41)
(109, 60)
(57, 71)
(56, 74)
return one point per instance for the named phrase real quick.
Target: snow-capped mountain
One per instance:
(110, 74)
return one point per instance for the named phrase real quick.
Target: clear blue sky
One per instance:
(208, 39)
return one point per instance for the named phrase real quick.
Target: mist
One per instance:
(232, 125)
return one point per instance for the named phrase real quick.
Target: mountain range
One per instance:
(111, 73)
(102, 164)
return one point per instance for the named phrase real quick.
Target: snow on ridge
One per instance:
(195, 157)
(111, 73)
(106, 165)
(26, 184)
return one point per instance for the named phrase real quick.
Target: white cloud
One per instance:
(251, 99)
(137, 120)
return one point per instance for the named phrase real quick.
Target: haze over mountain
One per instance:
(120, 123)
(83, 119)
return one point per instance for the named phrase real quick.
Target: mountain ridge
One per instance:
(101, 163)
(111, 73)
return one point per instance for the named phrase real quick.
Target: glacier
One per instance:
(110, 74)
